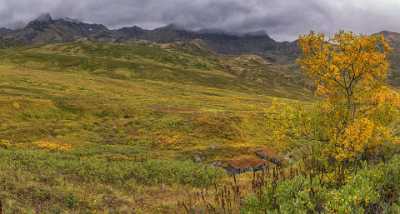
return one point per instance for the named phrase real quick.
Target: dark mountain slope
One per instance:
(220, 42)
(45, 30)
(394, 41)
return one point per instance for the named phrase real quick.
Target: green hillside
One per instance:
(99, 127)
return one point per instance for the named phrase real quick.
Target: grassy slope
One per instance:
(96, 127)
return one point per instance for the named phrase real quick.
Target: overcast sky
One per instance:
(282, 19)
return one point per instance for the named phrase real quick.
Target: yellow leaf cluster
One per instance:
(284, 125)
(53, 146)
(350, 73)
(361, 136)
(16, 105)
(385, 95)
(345, 63)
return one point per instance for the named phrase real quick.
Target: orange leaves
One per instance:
(355, 138)
(385, 95)
(350, 71)
(346, 59)
(363, 135)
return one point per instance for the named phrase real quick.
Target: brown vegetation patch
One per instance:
(226, 126)
(269, 155)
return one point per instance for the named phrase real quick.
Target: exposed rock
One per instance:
(217, 164)
(197, 158)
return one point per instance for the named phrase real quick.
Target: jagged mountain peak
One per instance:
(45, 17)
(45, 29)
(40, 22)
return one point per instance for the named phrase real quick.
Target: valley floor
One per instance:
(81, 142)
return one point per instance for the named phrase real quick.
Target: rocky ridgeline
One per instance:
(45, 30)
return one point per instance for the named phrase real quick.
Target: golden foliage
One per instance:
(287, 122)
(345, 65)
(16, 105)
(5, 144)
(360, 136)
(53, 146)
(350, 73)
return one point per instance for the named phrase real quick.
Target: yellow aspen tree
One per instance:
(350, 73)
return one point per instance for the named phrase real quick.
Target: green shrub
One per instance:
(71, 201)
(372, 189)
(358, 194)
(297, 195)
(115, 172)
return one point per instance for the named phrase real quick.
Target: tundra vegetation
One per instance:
(97, 127)
(343, 147)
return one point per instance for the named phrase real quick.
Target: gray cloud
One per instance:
(282, 19)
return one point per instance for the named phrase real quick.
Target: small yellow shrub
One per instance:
(53, 146)
(359, 137)
(16, 105)
(5, 144)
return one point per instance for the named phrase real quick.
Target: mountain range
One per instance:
(45, 30)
